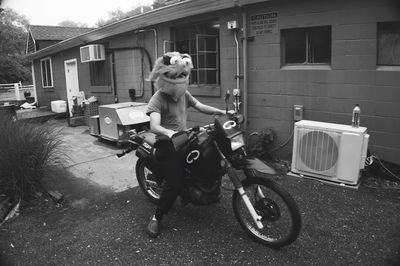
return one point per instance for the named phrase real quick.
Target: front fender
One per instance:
(256, 167)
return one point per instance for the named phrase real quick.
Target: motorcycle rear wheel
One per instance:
(279, 211)
(150, 188)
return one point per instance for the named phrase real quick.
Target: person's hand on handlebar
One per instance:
(170, 133)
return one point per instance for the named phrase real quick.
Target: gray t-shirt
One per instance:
(173, 114)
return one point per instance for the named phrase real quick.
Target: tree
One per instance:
(162, 3)
(118, 14)
(13, 31)
(70, 23)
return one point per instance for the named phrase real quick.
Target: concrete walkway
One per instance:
(95, 159)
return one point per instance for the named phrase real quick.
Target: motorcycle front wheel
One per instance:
(149, 185)
(279, 212)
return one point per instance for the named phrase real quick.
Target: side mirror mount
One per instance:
(227, 96)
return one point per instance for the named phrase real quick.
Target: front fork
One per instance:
(239, 187)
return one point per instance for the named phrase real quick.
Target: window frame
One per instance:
(210, 89)
(94, 74)
(308, 33)
(47, 72)
(382, 28)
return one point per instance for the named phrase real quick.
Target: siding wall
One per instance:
(327, 95)
(46, 95)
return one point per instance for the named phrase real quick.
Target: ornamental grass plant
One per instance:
(27, 152)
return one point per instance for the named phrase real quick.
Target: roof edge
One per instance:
(141, 21)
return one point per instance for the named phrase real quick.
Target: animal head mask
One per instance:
(171, 73)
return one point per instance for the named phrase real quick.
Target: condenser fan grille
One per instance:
(318, 151)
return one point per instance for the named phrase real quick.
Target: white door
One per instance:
(72, 82)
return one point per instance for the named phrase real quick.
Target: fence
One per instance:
(15, 91)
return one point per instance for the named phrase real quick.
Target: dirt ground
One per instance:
(95, 226)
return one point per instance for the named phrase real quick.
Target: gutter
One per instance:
(172, 12)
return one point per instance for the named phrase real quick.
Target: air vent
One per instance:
(92, 52)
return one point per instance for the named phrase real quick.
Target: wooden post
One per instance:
(16, 89)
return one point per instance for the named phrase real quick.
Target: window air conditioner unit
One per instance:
(93, 52)
(329, 152)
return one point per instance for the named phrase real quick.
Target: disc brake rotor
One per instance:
(268, 210)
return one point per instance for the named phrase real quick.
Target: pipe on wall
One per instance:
(155, 40)
(113, 67)
(245, 74)
(237, 61)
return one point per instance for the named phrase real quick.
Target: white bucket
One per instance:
(59, 106)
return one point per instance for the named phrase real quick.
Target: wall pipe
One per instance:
(245, 74)
(237, 62)
(155, 40)
(113, 66)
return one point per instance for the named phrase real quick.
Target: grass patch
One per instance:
(27, 151)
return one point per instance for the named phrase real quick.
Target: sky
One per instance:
(52, 12)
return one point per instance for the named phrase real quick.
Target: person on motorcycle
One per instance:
(167, 109)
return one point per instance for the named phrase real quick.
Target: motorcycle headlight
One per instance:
(237, 142)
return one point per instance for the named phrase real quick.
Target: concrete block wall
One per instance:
(328, 95)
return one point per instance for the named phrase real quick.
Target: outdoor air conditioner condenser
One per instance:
(329, 152)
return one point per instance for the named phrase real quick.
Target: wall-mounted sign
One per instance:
(266, 23)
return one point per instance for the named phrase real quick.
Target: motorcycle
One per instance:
(263, 208)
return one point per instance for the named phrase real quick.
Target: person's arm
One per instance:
(155, 125)
(207, 109)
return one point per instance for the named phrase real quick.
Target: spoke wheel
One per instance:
(279, 213)
(150, 186)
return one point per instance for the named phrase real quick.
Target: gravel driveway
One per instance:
(100, 227)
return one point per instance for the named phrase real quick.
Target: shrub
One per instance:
(258, 143)
(27, 151)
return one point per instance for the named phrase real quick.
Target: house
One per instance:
(324, 55)
(40, 37)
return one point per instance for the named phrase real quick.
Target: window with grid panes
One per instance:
(201, 42)
(47, 72)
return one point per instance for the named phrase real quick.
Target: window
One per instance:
(306, 45)
(201, 42)
(389, 44)
(47, 73)
(99, 73)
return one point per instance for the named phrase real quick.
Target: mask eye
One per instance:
(187, 60)
(166, 60)
(174, 60)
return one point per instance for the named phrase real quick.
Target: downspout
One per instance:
(113, 77)
(114, 73)
(245, 74)
(237, 62)
(155, 40)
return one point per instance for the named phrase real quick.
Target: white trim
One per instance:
(388, 68)
(51, 72)
(34, 82)
(306, 67)
(74, 62)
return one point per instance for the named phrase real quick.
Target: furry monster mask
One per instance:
(171, 73)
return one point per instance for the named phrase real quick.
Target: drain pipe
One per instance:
(245, 74)
(155, 40)
(237, 62)
(143, 49)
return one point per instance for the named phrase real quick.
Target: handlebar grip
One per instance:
(119, 155)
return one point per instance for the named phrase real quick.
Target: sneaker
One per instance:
(154, 227)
